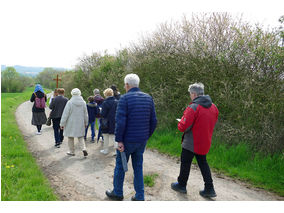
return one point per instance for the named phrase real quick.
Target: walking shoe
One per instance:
(113, 196)
(104, 152)
(133, 198)
(38, 133)
(92, 141)
(71, 154)
(208, 193)
(57, 145)
(175, 186)
(85, 153)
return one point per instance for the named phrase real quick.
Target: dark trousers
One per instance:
(58, 133)
(38, 127)
(186, 160)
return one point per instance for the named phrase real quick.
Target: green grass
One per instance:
(238, 161)
(149, 180)
(21, 177)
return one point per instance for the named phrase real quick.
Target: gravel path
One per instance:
(78, 178)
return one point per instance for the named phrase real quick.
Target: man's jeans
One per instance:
(186, 159)
(92, 129)
(136, 151)
(58, 133)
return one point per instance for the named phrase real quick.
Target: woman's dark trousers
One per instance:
(58, 133)
(186, 160)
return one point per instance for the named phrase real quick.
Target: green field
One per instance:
(239, 161)
(21, 177)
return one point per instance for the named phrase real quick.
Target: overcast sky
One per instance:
(55, 33)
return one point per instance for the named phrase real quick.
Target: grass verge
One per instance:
(21, 178)
(238, 161)
(149, 180)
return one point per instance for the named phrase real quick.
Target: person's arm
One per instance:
(104, 110)
(187, 119)
(86, 116)
(153, 119)
(51, 104)
(32, 98)
(120, 120)
(65, 115)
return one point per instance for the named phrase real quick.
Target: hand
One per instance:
(62, 127)
(120, 147)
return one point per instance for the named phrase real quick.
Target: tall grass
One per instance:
(21, 178)
(238, 161)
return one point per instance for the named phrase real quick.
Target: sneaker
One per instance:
(104, 152)
(113, 196)
(175, 186)
(208, 193)
(92, 141)
(71, 154)
(85, 153)
(57, 145)
(38, 133)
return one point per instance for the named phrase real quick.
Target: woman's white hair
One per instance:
(132, 80)
(197, 88)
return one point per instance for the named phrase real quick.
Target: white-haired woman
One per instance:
(108, 119)
(74, 121)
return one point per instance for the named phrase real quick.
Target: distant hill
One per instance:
(30, 71)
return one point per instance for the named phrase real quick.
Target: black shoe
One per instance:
(85, 153)
(175, 186)
(133, 198)
(113, 196)
(57, 145)
(208, 193)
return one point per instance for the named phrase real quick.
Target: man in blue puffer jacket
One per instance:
(135, 123)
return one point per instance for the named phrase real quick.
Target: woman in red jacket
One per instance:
(197, 124)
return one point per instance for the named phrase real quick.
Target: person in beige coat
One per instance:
(74, 121)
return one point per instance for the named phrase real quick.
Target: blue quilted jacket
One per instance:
(135, 117)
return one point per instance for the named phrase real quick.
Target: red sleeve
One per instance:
(187, 119)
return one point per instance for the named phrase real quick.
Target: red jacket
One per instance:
(197, 123)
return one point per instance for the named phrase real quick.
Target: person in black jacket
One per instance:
(108, 119)
(57, 106)
(38, 116)
(116, 93)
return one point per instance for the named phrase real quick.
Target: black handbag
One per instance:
(48, 121)
(104, 123)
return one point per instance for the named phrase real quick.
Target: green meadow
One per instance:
(21, 177)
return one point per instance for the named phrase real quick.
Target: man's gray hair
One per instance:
(132, 80)
(96, 91)
(197, 88)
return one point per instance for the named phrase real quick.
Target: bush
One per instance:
(241, 66)
(12, 81)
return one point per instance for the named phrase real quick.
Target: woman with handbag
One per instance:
(108, 119)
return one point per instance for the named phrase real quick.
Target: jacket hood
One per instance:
(203, 100)
(77, 100)
(92, 104)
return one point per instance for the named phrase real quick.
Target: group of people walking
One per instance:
(128, 121)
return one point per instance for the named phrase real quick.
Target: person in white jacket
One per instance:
(74, 121)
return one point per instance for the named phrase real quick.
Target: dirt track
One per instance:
(78, 178)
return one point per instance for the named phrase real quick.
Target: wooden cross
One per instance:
(57, 79)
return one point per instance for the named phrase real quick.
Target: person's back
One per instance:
(92, 111)
(140, 117)
(57, 106)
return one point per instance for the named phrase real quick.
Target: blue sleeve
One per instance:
(104, 110)
(153, 119)
(120, 119)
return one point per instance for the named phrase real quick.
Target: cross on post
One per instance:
(57, 79)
